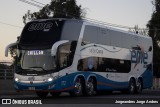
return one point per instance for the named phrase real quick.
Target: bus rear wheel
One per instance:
(90, 87)
(132, 86)
(139, 86)
(41, 94)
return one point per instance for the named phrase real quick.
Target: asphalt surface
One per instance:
(105, 98)
(147, 98)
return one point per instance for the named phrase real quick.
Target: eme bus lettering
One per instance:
(139, 57)
(40, 26)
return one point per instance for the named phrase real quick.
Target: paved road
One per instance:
(65, 100)
(106, 100)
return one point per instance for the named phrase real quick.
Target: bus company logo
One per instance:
(6, 101)
(31, 79)
(40, 26)
(17, 101)
(139, 56)
(96, 51)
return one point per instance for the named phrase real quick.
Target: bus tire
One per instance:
(132, 86)
(78, 87)
(41, 94)
(139, 86)
(91, 87)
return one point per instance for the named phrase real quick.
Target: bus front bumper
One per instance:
(46, 86)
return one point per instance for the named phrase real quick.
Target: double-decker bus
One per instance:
(80, 57)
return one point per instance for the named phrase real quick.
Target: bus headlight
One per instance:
(16, 79)
(50, 79)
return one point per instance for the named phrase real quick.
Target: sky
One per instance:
(121, 12)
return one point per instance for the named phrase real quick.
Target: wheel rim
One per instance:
(132, 87)
(139, 86)
(78, 87)
(90, 88)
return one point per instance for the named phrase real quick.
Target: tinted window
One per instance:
(43, 32)
(104, 65)
(66, 54)
(88, 64)
(90, 34)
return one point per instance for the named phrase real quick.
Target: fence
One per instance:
(6, 74)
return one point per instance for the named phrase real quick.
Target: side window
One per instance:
(107, 65)
(66, 54)
(114, 65)
(90, 35)
(63, 52)
(104, 65)
(88, 64)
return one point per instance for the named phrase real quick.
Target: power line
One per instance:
(31, 3)
(10, 25)
(37, 2)
(91, 20)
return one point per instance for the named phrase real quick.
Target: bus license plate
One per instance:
(31, 88)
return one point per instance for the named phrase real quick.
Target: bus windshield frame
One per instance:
(35, 62)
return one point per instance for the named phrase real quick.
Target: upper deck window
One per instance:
(41, 32)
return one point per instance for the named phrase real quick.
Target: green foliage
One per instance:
(154, 31)
(56, 9)
(12, 51)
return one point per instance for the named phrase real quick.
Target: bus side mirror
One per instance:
(55, 46)
(7, 48)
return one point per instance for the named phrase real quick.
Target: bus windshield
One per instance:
(35, 62)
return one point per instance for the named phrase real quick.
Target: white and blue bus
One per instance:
(80, 57)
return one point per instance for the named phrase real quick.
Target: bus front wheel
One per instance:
(78, 88)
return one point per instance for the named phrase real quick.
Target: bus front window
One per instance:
(35, 62)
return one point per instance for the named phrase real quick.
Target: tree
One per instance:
(12, 51)
(154, 33)
(57, 9)
(138, 30)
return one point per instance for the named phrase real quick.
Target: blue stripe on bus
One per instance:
(64, 82)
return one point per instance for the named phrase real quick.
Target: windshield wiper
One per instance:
(38, 67)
